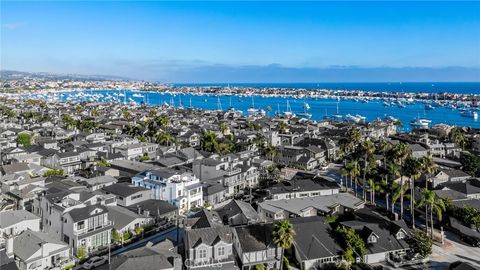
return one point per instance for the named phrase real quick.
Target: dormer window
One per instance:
(400, 234)
(372, 238)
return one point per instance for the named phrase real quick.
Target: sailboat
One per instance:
(288, 113)
(252, 110)
(219, 104)
(337, 115)
(305, 114)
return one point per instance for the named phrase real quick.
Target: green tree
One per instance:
(138, 231)
(283, 233)
(126, 236)
(208, 141)
(103, 163)
(353, 168)
(421, 243)
(351, 239)
(373, 187)
(400, 153)
(165, 138)
(69, 121)
(367, 148)
(271, 151)
(413, 169)
(145, 157)
(163, 121)
(81, 252)
(24, 139)
(470, 163)
(116, 237)
(457, 136)
(435, 205)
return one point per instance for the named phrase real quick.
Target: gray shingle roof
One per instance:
(79, 214)
(123, 189)
(9, 218)
(28, 243)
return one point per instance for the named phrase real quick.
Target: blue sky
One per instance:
(246, 41)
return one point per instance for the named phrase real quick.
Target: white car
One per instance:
(94, 262)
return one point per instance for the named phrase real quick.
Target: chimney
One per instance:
(9, 247)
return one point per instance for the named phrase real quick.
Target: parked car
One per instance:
(94, 262)
(471, 240)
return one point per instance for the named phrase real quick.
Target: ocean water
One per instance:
(318, 107)
(410, 87)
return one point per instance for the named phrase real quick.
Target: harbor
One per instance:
(412, 110)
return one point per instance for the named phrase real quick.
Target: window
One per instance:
(400, 235)
(372, 239)
(137, 196)
(202, 253)
(221, 251)
(80, 225)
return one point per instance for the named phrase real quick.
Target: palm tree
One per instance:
(259, 141)
(283, 233)
(354, 169)
(397, 192)
(372, 188)
(456, 135)
(127, 115)
(354, 138)
(271, 151)
(385, 187)
(222, 127)
(413, 169)
(282, 127)
(162, 121)
(438, 205)
(208, 141)
(394, 170)
(428, 167)
(367, 149)
(165, 138)
(69, 121)
(383, 147)
(401, 152)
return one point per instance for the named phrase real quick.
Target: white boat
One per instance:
(429, 107)
(470, 114)
(361, 117)
(352, 118)
(420, 123)
(136, 95)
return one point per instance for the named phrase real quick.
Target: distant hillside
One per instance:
(15, 75)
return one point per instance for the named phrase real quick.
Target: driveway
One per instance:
(453, 250)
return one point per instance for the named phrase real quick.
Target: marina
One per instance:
(412, 112)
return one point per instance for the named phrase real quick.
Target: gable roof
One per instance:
(256, 237)
(313, 239)
(79, 214)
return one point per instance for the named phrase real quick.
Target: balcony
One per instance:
(62, 263)
(232, 172)
(87, 230)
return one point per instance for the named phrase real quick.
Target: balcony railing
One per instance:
(232, 172)
(86, 230)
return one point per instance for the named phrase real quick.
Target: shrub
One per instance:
(81, 253)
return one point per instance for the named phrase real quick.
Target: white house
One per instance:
(181, 189)
(14, 222)
(37, 250)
